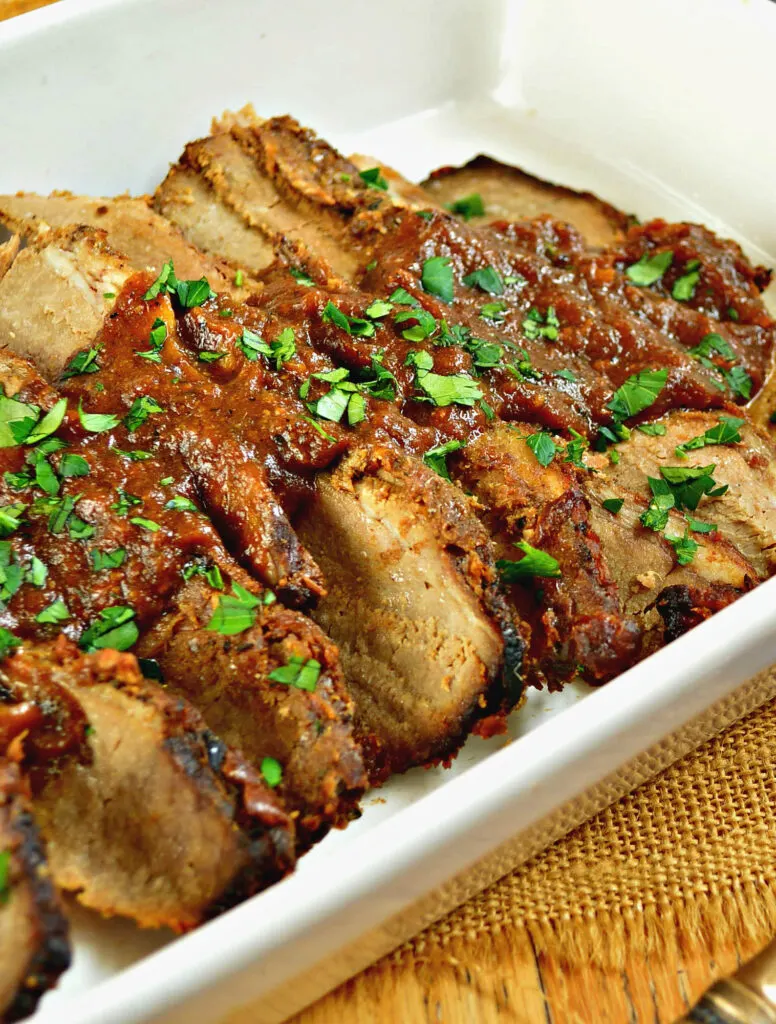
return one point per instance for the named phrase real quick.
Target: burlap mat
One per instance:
(685, 863)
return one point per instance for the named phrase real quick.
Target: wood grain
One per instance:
(508, 982)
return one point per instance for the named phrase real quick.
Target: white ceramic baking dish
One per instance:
(662, 108)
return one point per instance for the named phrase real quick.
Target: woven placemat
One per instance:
(688, 860)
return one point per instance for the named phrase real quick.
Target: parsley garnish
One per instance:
(652, 429)
(141, 409)
(649, 269)
(565, 375)
(637, 393)
(234, 612)
(210, 357)
(684, 286)
(535, 563)
(735, 376)
(83, 362)
(613, 505)
(11, 518)
(145, 524)
(425, 326)
(301, 674)
(537, 326)
(156, 340)
(211, 573)
(20, 423)
(239, 279)
(353, 325)
(436, 458)
(300, 276)
(575, 449)
(437, 278)
(96, 422)
(725, 432)
(56, 612)
(684, 547)
(114, 627)
(180, 503)
(487, 279)
(188, 293)
(493, 311)
(272, 771)
(73, 465)
(107, 559)
(125, 503)
(372, 178)
(379, 308)
(543, 447)
(456, 389)
(7, 642)
(468, 206)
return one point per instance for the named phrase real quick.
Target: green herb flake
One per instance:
(685, 548)
(11, 518)
(234, 612)
(543, 446)
(353, 325)
(145, 524)
(239, 279)
(210, 357)
(534, 563)
(37, 573)
(487, 279)
(537, 326)
(271, 771)
(379, 308)
(50, 422)
(684, 286)
(82, 362)
(425, 324)
(302, 277)
(252, 345)
(437, 278)
(565, 375)
(7, 642)
(637, 393)
(95, 422)
(436, 458)
(652, 429)
(180, 503)
(301, 674)
(468, 206)
(56, 612)
(72, 465)
(125, 502)
(102, 560)
(613, 505)
(493, 311)
(142, 407)
(649, 269)
(726, 431)
(113, 628)
(372, 178)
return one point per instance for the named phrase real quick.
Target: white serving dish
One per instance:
(662, 108)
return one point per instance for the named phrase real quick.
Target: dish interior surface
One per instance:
(528, 94)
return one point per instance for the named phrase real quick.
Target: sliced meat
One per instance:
(34, 945)
(425, 642)
(55, 295)
(307, 728)
(509, 193)
(576, 619)
(745, 514)
(146, 814)
(130, 225)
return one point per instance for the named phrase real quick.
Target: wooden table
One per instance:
(520, 986)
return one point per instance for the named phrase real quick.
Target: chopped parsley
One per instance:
(373, 178)
(424, 327)
(613, 505)
(208, 356)
(649, 269)
(239, 279)
(56, 612)
(468, 206)
(456, 389)
(156, 340)
(7, 643)
(271, 771)
(145, 524)
(188, 293)
(180, 503)
(252, 345)
(725, 432)
(534, 563)
(235, 612)
(437, 278)
(679, 487)
(107, 559)
(302, 277)
(11, 518)
(135, 455)
(211, 572)
(575, 449)
(735, 376)
(96, 422)
(684, 547)
(436, 458)
(493, 311)
(353, 325)
(379, 308)
(637, 393)
(5, 855)
(652, 429)
(565, 375)
(114, 627)
(125, 502)
(142, 407)
(487, 279)
(684, 286)
(543, 446)
(21, 423)
(301, 674)
(82, 362)
(537, 326)
(72, 465)
(63, 517)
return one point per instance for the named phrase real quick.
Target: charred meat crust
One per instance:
(227, 678)
(147, 781)
(681, 607)
(35, 945)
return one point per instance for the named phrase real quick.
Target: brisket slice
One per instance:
(145, 812)
(34, 945)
